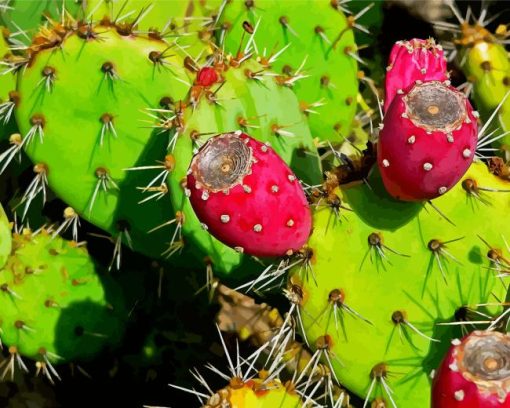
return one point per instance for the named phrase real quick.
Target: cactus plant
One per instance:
(404, 270)
(247, 98)
(312, 51)
(106, 193)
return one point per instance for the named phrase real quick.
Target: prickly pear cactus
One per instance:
(245, 98)
(386, 275)
(310, 46)
(129, 115)
(54, 306)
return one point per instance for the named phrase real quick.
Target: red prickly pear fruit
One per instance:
(206, 77)
(475, 373)
(427, 142)
(248, 197)
(411, 61)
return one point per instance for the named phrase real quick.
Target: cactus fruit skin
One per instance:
(405, 286)
(474, 373)
(54, 306)
(248, 197)
(319, 36)
(258, 105)
(411, 61)
(428, 141)
(92, 133)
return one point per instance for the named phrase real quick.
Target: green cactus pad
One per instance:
(248, 99)
(388, 269)
(319, 40)
(93, 99)
(54, 306)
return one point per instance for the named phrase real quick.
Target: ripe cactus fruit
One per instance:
(475, 373)
(311, 47)
(54, 306)
(248, 197)
(123, 80)
(428, 141)
(411, 61)
(406, 276)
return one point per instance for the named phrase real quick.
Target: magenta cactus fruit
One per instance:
(428, 141)
(411, 61)
(247, 197)
(475, 373)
